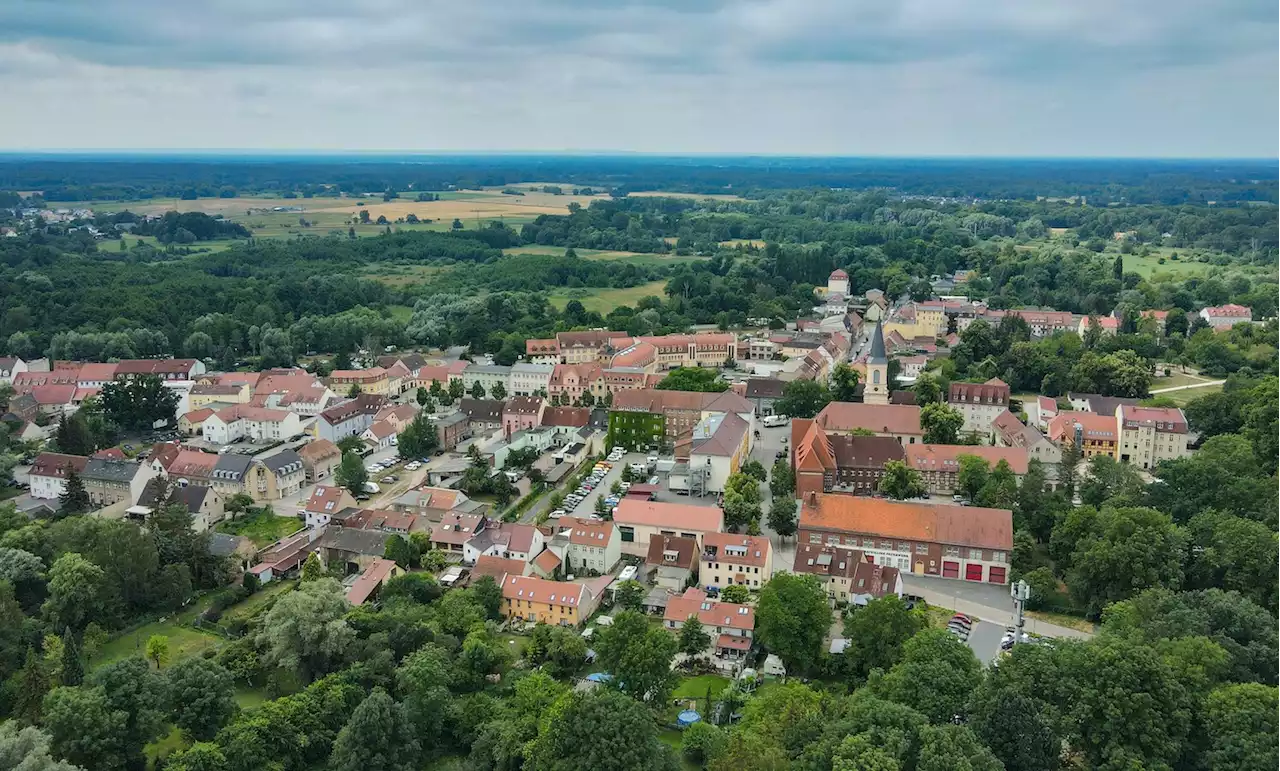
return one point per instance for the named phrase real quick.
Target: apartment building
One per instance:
(899, 421)
(538, 600)
(257, 424)
(979, 403)
(939, 464)
(848, 575)
(832, 462)
(48, 475)
(727, 559)
(1149, 435)
(529, 379)
(730, 626)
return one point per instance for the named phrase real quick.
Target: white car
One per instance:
(557, 514)
(652, 459)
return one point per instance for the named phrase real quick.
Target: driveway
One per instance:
(989, 602)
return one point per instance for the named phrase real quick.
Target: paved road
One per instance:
(988, 602)
(1205, 384)
(984, 640)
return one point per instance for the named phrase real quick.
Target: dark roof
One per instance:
(877, 346)
(902, 397)
(683, 551)
(1103, 405)
(482, 410)
(369, 542)
(864, 451)
(765, 388)
(231, 466)
(110, 469)
(283, 462)
(223, 545)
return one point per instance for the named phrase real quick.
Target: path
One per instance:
(989, 602)
(1205, 384)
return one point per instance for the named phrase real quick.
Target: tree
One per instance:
(755, 469)
(901, 482)
(31, 684)
(456, 390)
(1241, 726)
(638, 656)
(1122, 552)
(203, 697)
(85, 730)
(877, 633)
(629, 595)
(378, 737)
(422, 396)
(702, 743)
(694, 641)
(132, 688)
(71, 665)
(735, 593)
(972, 476)
(941, 423)
(859, 753)
(73, 436)
(596, 730)
(741, 500)
(802, 399)
(1235, 554)
(844, 381)
(76, 588)
(792, 619)
(1015, 728)
(74, 498)
(354, 391)
(498, 391)
(954, 748)
(139, 403)
(351, 474)
(1108, 480)
(420, 438)
(201, 756)
(305, 630)
(1224, 475)
(1001, 488)
(693, 379)
(560, 651)
(312, 570)
(783, 479)
(400, 551)
(782, 516)
(238, 503)
(927, 389)
(477, 390)
(158, 650)
(935, 676)
(27, 749)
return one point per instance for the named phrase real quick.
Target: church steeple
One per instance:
(876, 390)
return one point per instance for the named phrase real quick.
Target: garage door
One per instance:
(995, 575)
(950, 569)
(973, 572)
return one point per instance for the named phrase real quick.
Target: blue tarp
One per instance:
(600, 677)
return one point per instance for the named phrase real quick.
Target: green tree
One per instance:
(28, 749)
(1107, 480)
(844, 382)
(203, 697)
(783, 480)
(935, 676)
(73, 436)
(400, 551)
(694, 641)
(85, 730)
(860, 753)
(972, 476)
(629, 595)
(422, 396)
(312, 570)
(1241, 725)
(638, 656)
(29, 688)
(456, 390)
(139, 403)
(1001, 488)
(305, 630)
(558, 650)
(702, 743)
(735, 593)
(941, 423)
(599, 729)
(158, 650)
(741, 500)
(72, 666)
(477, 390)
(877, 633)
(133, 689)
(754, 469)
(1122, 552)
(378, 737)
(693, 379)
(201, 756)
(354, 391)
(351, 474)
(927, 389)
(802, 399)
(76, 589)
(238, 503)
(901, 482)
(1224, 475)
(74, 498)
(782, 516)
(792, 619)
(350, 443)
(1015, 728)
(1235, 554)
(954, 748)
(420, 438)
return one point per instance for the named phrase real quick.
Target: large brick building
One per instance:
(965, 542)
(900, 421)
(826, 462)
(939, 464)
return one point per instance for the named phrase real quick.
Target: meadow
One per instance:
(605, 300)
(635, 258)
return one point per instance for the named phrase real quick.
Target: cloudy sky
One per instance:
(851, 77)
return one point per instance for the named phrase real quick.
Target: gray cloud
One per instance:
(848, 76)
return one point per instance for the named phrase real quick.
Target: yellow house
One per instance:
(374, 380)
(538, 600)
(203, 395)
(918, 320)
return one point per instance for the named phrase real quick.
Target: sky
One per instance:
(1136, 78)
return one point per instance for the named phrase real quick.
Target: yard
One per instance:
(605, 300)
(183, 642)
(263, 526)
(696, 687)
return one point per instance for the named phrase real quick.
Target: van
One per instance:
(639, 468)
(773, 421)
(372, 487)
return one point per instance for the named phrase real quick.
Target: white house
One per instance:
(528, 379)
(717, 447)
(255, 423)
(48, 475)
(838, 282)
(580, 546)
(1226, 316)
(380, 435)
(350, 418)
(979, 403)
(508, 540)
(10, 366)
(487, 375)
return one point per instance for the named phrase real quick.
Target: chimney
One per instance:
(812, 500)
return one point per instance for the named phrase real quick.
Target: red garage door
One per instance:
(973, 572)
(950, 569)
(995, 575)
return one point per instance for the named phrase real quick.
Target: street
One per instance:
(989, 602)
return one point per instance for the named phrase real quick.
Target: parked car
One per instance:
(652, 459)
(390, 478)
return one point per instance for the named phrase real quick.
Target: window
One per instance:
(952, 551)
(815, 538)
(833, 539)
(922, 549)
(998, 556)
(975, 554)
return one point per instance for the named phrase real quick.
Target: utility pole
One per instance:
(1020, 593)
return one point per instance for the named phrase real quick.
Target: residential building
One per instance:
(847, 574)
(1040, 411)
(375, 380)
(704, 349)
(715, 449)
(48, 475)
(939, 464)
(1149, 435)
(373, 577)
(1226, 316)
(380, 435)
(455, 530)
(967, 542)
(9, 367)
(483, 415)
(679, 412)
(576, 347)
(349, 418)
(569, 382)
(730, 626)
(538, 600)
(838, 283)
(582, 546)
(1042, 323)
(453, 429)
(1010, 432)
(529, 379)
(1091, 433)
(672, 561)
(488, 376)
(398, 416)
(429, 503)
(979, 403)
(320, 459)
(257, 424)
(509, 540)
(521, 413)
(205, 394)
(205, 505)
(566, 417)
(169, 370)
(827, 462)
(639, 520)
(55, 400)
(182, 467)
(192, 423)
(109, 481)
(762, 392)
(729, 558)
(1107, 325)
(325, 503)
(900, 421)
(496, 568)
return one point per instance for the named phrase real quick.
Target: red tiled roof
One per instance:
(53, 464)
(924, 522)
(547, 561)
(325, 499)
(739, 549)
(1167, 419)
(694, 602)
(543, 590)
(946, 457)
(497, 567)
(1228, 310)
(53, 394)
(1096, 427)
(683, 551)
(198, 416)
(674, 516)
(886, 419)
(318, 449)
(373, 576)
(586, 532)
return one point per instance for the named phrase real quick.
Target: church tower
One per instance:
(876, 389)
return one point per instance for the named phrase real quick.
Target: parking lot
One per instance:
(587, 506)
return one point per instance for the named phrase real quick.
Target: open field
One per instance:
(605, 300)
(183, 642)
(1149, 265)
(402, 275)
(695, 196)
(1186, 395)
(1177, 378)
(635, 258)
(743, 242)
(262, 527)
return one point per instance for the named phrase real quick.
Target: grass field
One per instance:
(1177, 378)
(262, 528)
(696, 687)
(635, 258)
(1150, 265)
(183, 642)
(1186, 395)
(400, 276)
(605, 300)
(400, 313)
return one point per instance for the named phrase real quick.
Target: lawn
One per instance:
(1062, 619)
(164, 746)
(400, 313)
(261, 527)
(183, 642)
(243, 611)
(696, 687)
(1186, 395)
(1146, 266)
(1177, 379)
(605, 300)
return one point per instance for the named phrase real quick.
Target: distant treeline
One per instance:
(71, 178)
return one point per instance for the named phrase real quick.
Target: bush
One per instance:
(1044, 589)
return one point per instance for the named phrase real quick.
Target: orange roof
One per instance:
(497, 567)
(198, 416)
(739, 549)
(93, 372)
(326, 499)
(1100, 428)
(192, 463)
(924, 522)
(883, 419)
(675, 516)
(694, 602)
(813, 451)
(586, 532)
(547, 561)
(946, 457)
(373, 576)
(317, 449)
(543, 590)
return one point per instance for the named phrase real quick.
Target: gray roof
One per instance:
(110, 469)
(223, 545)
(487, 410)
(452, 420)
(231, 466)
(530, 367)
(877, 346)
(371, 542)
(487, 369)
(284, 462)
(765, 388)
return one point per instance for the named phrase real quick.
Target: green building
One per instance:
(636, 431)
